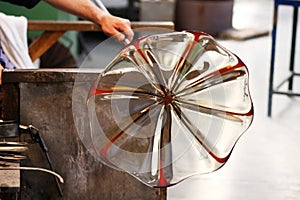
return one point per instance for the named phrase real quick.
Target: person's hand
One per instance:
(117, 27)
(1, 71)
(111, 25)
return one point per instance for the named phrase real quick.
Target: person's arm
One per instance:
(111, 25)
(2, 65)
(1, 71)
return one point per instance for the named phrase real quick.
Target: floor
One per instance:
(264, 164)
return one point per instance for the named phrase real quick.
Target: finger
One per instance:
(129, 34)
(127, 30)
(120, 37)
(1, 71)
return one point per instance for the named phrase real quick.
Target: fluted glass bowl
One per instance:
(169, 106)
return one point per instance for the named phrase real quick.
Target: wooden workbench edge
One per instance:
(53, 25)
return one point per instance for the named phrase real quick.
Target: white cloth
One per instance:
(13, 36)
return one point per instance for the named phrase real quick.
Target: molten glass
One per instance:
(169, 106)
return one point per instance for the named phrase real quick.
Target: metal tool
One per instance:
(36, 137)
(6, 143)
(9, 157)
(101, 5)
(35, 169)
(13, 149)
(11, 152)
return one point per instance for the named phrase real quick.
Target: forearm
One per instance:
(82, 8)
(111, 25)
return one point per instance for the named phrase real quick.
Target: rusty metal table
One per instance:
(43, 98)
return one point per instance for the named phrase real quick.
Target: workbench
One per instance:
(45, 99)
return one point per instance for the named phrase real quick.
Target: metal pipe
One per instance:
(35, 169)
